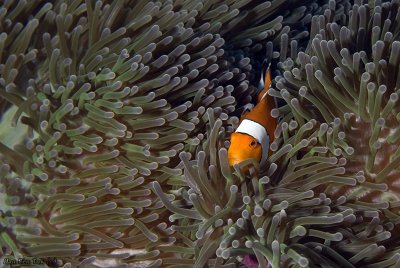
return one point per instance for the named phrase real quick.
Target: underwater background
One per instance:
(116, 118)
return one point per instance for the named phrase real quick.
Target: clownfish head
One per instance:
(243, 147)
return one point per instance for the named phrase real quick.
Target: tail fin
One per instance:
(265, 76)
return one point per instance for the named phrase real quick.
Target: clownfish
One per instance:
(256, 127)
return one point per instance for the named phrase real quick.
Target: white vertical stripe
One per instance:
(258, 132)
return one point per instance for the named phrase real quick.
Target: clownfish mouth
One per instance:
(233, 161)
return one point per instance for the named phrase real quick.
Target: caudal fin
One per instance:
(265, 76)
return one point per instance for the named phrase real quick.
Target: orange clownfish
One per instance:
(256, 128)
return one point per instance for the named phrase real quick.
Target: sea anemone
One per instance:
(116, 123)
(100, 99)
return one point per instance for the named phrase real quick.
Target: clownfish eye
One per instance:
(253, 143)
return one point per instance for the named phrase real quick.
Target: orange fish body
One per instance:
(256, 128)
